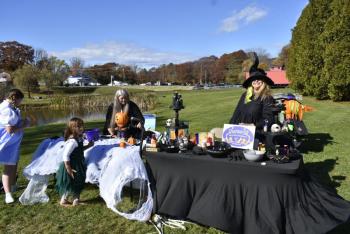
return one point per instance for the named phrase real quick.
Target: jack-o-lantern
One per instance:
(121, 119)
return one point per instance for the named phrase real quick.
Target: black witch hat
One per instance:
(256, 73)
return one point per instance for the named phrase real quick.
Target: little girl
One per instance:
(72, 172)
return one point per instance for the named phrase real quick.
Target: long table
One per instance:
(241, 196)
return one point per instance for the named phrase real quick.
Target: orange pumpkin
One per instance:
(121, 119)
(122, 144)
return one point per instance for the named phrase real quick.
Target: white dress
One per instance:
(9, 143)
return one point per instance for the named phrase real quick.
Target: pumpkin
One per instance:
(121, 119)
(122, 144)
(131, 141)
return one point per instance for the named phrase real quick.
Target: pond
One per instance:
(47, 115)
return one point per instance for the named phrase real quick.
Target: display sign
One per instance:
(239, 136)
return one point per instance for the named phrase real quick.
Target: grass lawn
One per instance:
(326, 155)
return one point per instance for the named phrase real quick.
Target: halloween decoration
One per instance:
(295, 110)
(121, 119)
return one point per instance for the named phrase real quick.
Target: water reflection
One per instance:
(46, 115)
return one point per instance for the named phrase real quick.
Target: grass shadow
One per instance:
(321, 171)
(95, 200)
(315, 142)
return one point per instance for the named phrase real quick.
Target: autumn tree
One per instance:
(40, 58)
(26, 78)
(54, 72)
(103, 73)
(282, 59)
(76, 66)
(14, 55)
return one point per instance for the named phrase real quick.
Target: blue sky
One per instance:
(148, 32)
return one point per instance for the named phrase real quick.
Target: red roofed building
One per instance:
(277, 75)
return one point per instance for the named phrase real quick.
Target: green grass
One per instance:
(326, 155)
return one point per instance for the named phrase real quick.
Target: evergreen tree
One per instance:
(336, 40)
(305, 61)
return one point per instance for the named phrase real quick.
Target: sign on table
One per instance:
(239, 136)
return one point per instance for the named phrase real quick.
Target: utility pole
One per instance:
(111, 80)
(200, 77)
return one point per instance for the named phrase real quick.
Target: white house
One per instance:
(79, 81)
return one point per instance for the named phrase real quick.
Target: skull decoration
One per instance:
(168, 122)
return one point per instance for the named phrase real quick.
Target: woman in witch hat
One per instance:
(255, 105)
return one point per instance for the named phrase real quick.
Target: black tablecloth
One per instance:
(243, 197)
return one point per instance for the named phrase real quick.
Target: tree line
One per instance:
(28, 67)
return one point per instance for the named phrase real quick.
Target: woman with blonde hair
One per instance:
(127, 110)
(255, 105)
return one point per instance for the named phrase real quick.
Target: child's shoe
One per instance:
(76, 202)
(65, 202)
(8, 198)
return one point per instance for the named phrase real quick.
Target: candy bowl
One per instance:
(253, 155)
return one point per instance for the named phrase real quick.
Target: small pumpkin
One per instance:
(121, 119)
(122, 144)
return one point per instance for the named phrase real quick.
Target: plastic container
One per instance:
(92, 134)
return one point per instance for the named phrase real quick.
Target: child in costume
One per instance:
(11, 133)
(72, 171)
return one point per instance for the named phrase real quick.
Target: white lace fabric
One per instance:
(109, 166)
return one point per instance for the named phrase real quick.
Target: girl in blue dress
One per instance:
(72, 171)
(11, 133)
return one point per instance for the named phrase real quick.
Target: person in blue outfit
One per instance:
(11, 133)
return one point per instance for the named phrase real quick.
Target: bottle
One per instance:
(265, 125)
(154, 141)
(277, 150)
(209, 142)
(286, 150)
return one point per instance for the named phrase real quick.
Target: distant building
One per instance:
(277, 75)
(79, 81)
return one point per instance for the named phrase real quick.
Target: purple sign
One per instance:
(239, 136)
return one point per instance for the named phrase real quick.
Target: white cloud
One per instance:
(245, 16)
(122, 53)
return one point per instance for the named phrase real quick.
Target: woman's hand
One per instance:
(139, 125)
(111, 132)
(69, 169)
